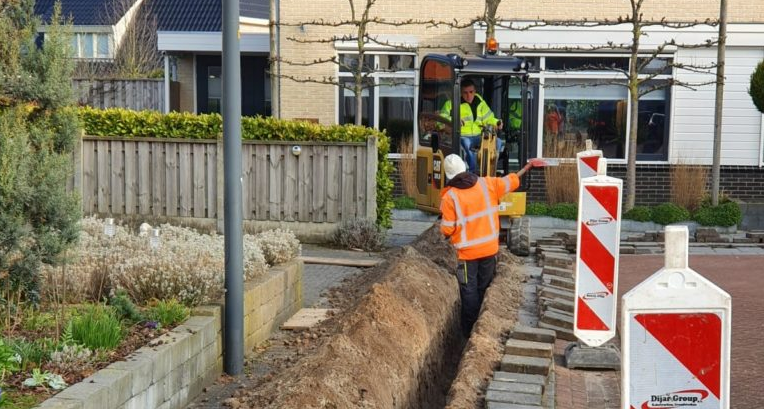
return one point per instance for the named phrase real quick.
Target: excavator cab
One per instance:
(503, 82)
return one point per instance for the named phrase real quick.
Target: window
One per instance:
(388, 95)
(91, 45)
(576, 110)
(214, 89)
(581, 102)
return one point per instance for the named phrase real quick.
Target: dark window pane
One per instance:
(396, 62)
(576, 110)
(436, 89)
(586, 63)
(349, 62)
(214, 89)
(652, 127)
(348, 103)
(655, 65)
(396, 113)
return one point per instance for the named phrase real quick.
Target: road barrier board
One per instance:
(675, 337)
(597, 249)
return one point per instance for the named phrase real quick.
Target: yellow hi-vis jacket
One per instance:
(470, 217)
(472, 126)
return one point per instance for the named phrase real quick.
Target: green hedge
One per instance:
(183, 125)
(537, 209)
(567, 211)
(639, 213)
(726, 214)
(668, 213)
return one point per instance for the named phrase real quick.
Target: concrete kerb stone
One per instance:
(519, 377)
(504, 405)
(528, 348)
(525, 364)
(516, 387)
(513, 397)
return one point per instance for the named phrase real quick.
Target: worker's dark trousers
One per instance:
(474, 278)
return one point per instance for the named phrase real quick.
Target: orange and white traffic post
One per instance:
(597, 248)
(587, 161)
(675, 337)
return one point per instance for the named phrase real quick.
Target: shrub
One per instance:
(537, 209)
(756, 89)
(124, 307)
(668, 213)
(404, 202)
(96, 327)
(128, 123)
(187, 266)
(359, 234)
(38, 130)
(33, 351)
(726, 214)
(168, 312)
(278, 246)
(567, 211)
(639, 213)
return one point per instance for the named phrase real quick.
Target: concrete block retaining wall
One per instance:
(174, 368)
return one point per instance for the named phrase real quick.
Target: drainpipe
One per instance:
(166, 82)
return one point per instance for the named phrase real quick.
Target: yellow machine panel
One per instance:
(512, 204)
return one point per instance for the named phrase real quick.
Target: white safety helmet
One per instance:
(453, 165)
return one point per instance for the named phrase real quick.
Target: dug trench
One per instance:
(395, 342)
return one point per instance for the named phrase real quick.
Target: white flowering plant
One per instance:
(186, 265)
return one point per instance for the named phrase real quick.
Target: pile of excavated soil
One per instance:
(482, 355)
(386, 351)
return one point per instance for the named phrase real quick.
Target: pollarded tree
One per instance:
(38, 131)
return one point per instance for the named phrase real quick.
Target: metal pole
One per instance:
(233, 352)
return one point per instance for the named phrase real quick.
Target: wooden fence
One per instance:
(326, 182)
(136, 94)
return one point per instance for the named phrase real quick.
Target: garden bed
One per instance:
(120, 291)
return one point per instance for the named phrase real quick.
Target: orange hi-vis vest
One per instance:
(470, 217)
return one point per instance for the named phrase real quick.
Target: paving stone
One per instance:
(557, 271)
(529, 388)
(526, 333)
(519, 377)
(525, 364)
(528, 348)
(560, 304)
(627, 250)
(560, 332)
(555, 292)
(561, 282)
(557, 319)
(558, 260)
(504, 405)
(513, 397)
(547, 241)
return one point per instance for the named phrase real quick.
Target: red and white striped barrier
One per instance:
(597, 248)
(675, 337)
(587, 161)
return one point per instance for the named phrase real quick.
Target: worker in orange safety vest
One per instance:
(470, 218)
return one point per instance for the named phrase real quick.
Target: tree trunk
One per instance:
(275, 108)
(720, 61)
(631, 168)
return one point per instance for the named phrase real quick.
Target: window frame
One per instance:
(79, 45)
(375, 75)
(606, 75)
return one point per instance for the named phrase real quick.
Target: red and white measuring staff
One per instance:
(587, 161)
(675, 337)
(597, 248)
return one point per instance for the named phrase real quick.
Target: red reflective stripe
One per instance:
(607, 196)
(597, 257)
(591, 161)
(695, 340)
(588, 319)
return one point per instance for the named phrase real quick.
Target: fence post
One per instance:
(77, 163)
(371, 178)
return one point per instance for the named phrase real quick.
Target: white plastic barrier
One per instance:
(587, 161)
(597, 248)
(675, 337)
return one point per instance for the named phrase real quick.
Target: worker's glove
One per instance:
(536, 163)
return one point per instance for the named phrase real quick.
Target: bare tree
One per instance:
(638, 83)
(718, 109)
(358, 29)
(137, 55)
